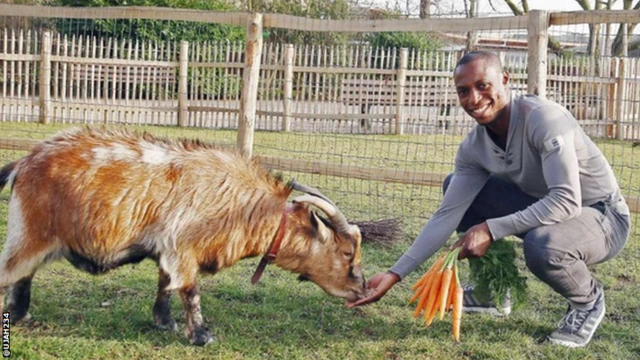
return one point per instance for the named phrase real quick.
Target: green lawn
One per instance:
(80, 316)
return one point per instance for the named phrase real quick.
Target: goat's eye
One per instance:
(348, 254)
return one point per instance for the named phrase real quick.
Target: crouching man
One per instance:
(528, 170)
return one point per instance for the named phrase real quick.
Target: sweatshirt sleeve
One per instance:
(467, 181)
(551, 132)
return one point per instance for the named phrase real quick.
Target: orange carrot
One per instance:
(447, 277)
(419, 286)
(416, 294)
(423, 296)
(437, 265)
(432, 305)
(421, 281)
(456, 314)
(452, 289)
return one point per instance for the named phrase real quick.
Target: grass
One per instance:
(80, 316)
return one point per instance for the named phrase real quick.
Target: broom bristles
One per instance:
(383, 232)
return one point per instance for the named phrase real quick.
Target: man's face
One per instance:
(482, 90)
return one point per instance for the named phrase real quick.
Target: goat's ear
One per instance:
(323, 231)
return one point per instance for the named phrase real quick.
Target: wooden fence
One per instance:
(329, 88)
(47, 77)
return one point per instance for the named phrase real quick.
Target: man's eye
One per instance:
(483, 86)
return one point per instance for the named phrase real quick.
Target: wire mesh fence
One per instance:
(374, 126)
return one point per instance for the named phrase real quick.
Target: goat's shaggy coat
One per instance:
(103, 198)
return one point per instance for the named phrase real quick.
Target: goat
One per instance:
(104, 198)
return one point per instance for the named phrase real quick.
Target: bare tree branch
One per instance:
(584, 4)
(492, 7)
(617, 46)
(425, 11)
(514, 8)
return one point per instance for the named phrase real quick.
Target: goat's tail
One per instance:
(5, 173)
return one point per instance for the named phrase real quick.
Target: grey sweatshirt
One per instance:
(547, 155)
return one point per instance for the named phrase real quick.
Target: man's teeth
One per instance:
(481, 109)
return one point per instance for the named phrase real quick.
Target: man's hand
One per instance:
(376, 288)
(475, 242)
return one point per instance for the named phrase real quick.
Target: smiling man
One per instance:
(527, 170)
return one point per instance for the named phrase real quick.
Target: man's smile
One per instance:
(479, 110)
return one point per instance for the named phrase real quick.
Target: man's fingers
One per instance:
(357, 303)
(464, 253)
(364, 301)
(361, 302)
(463, 249)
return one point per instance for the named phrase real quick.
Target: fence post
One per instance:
(621, 89)
(183, 99)
(538, 38)
(621, 84)
(45, 79)
(288, 86)
(250, 78)
(611, 103)
(402, 80)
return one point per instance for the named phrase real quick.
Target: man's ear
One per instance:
(505, 77)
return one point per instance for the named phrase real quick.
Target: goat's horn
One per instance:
(335, 216)
(311, 191)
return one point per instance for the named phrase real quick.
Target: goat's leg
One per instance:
(19, 299)
(195, 330)
(162, 307)
(18, 263)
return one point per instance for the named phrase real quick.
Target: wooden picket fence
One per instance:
(350, 89)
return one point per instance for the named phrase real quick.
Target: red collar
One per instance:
(275, 246)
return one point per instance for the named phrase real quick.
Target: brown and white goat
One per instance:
(105, 198)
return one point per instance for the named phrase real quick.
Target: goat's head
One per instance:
(324, 250)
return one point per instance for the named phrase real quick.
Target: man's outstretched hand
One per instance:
(475, 242)
(376, 288)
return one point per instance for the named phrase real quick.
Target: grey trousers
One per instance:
(558, 254)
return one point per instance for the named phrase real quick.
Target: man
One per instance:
(528, 170)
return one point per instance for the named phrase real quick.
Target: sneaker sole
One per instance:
(573, 345)
(487, 310)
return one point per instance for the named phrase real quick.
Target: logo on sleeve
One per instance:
(554, 143)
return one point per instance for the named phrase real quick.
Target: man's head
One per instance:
(481, 84)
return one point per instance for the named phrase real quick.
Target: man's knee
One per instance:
(445, 183)
(539, 253)
(534, 254)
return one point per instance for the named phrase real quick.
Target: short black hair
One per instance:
(474, 55)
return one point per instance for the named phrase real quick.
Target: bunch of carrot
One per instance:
(439, 291)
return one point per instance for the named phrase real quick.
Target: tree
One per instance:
(617, 48)
(471, 9)
(593, 46)
(516, 10)
(425, 9)
(411, 40)
(151, 29)
(313, 9)
(553, 45)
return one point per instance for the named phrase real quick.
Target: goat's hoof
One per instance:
(166, 324)
(17, 319)
(201, 336)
